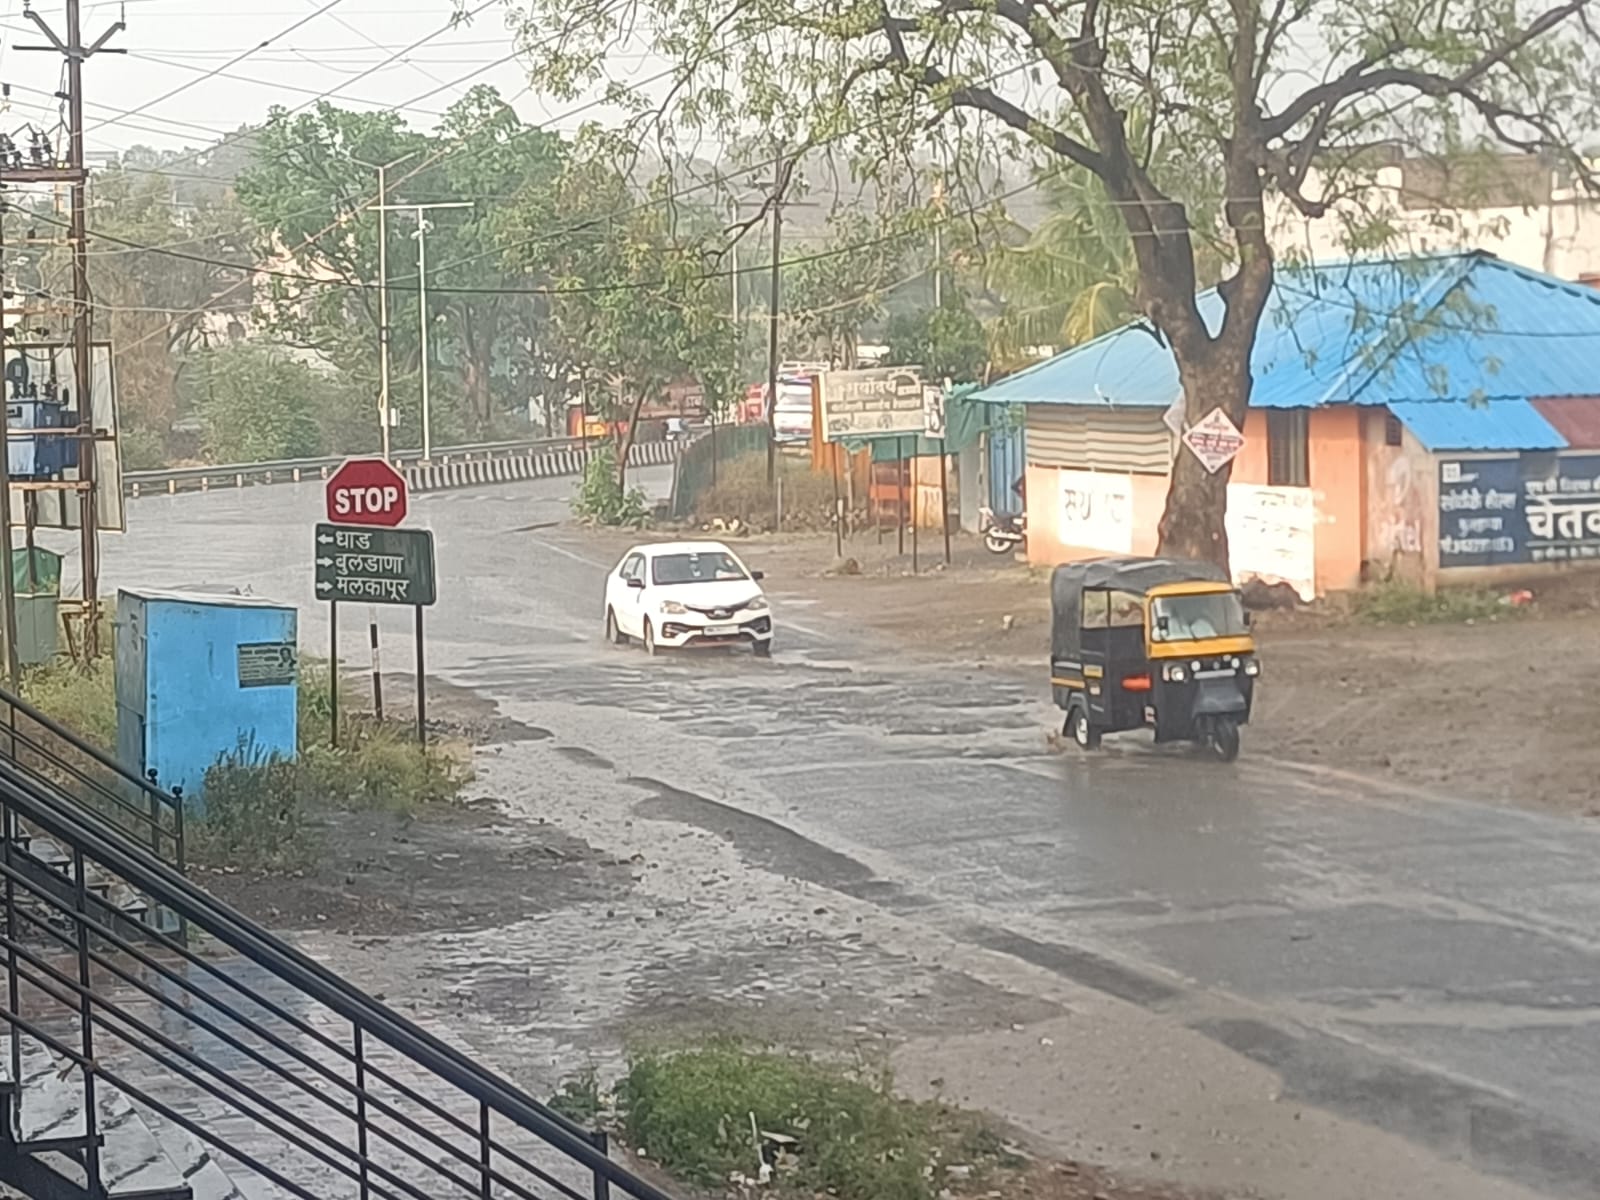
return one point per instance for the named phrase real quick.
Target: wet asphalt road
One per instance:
(1428, 966)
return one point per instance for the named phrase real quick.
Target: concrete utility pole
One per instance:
(383, 290)
(422, 300)
(8, 588)
(780, 181)
(76, 174)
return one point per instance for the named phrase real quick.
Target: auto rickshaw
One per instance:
(1155, 642)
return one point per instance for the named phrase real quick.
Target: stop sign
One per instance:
(366, 491)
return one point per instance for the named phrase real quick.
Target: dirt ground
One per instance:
(1492, 710)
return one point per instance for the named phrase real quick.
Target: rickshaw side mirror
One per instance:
(1249, 619)
(1163, 626)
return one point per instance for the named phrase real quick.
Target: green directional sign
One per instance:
(367, 565)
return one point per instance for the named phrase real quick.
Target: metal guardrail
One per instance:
(294, 470)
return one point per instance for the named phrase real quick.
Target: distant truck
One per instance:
(792, 414)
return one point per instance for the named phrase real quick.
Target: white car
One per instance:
(679, 594)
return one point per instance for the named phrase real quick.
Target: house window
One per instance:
(1288, 447)
(1391, 431)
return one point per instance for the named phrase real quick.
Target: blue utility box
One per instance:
(199, 675)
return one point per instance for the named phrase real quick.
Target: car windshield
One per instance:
(1183, 618)
(667, 569)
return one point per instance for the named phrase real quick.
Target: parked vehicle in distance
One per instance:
(1002, 534)
(673, 595)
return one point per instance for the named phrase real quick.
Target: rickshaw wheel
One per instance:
(1083, 733)
(1222, 739)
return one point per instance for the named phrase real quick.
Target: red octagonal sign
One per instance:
(366, 491)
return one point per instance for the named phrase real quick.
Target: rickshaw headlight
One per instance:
(1176, 673)
(1252, 668)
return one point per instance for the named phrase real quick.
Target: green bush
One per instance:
(256, 813)
(261, 810)
(1402, 604)
(691, 1113)
(602, 499)
(84, 699)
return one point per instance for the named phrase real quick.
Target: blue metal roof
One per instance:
(1484, 425)
(1462, 327)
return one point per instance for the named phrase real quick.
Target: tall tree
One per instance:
(830, 296)
(636, 298)
(1257, 92)
(315, 170)
(505, 166)
(156, 309)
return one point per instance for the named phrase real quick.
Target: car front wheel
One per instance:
(762, 649)
(614, 633)
(649, 638)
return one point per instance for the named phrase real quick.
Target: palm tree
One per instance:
(1074, 277)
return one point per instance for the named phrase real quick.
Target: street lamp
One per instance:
(419, 210)
(383, 289)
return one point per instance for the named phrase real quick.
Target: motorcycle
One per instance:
(1002, 533)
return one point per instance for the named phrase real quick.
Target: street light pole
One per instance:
(382, 208)
(419, 210)
(383, 307)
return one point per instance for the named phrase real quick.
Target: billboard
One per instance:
(1527, 508)
(881, 402)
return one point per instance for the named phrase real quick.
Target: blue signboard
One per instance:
(1527, 508)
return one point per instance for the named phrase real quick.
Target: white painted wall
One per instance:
(1561, 237)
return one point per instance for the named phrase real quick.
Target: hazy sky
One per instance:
(171, 43)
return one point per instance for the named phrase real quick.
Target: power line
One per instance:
(586, 289)
(238, 58)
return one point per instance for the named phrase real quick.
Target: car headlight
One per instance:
(1176, 673)
(1252, 668)
(759, 604)
(672, 607)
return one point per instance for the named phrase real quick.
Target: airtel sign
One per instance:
(366, 491)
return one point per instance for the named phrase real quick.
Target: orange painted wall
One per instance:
(1338, 479)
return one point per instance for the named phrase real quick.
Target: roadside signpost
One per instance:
(367, 491)
(362, 557)
(375, 566)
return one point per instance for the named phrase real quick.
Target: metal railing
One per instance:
(55, 755)
(289, 1075)
(293, 470)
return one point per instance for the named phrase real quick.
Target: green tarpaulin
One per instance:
(43, 580)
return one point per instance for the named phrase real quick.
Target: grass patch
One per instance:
(84, 699)
(1401, 604)
(822, 1129)
(741, 493)
(261, 812)
(579, 1099)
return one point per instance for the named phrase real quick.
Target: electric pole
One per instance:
(420, 211)
(8, 589)
(383, 290)
(780, 182)
(74, 173)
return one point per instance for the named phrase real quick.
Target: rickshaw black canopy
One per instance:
(1123, 574)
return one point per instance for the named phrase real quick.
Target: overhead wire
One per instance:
(585, 289)
(214, 72)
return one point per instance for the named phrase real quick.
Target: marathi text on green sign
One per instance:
(363, 565)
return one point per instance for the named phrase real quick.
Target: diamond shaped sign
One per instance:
(1214, 440)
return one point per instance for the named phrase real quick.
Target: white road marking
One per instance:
(570, 554)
